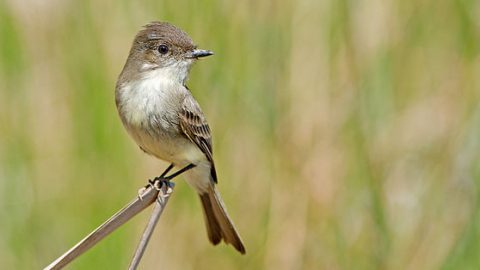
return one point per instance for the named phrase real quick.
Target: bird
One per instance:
(161, 115)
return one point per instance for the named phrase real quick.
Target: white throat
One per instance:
(173, 73)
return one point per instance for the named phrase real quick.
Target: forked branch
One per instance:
(149, 195)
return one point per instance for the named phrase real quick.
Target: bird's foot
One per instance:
(156, 183)
(159, 181)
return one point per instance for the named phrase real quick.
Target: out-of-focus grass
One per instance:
(346, 133)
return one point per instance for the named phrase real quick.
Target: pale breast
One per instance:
(149, 111)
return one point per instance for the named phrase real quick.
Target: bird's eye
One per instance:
(163, 49)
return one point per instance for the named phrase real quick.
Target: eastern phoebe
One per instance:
(164, 119)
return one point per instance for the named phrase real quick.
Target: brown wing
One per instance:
(195, 127)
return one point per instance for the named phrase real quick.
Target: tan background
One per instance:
(346, 133)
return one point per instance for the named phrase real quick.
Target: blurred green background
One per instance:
(346, 133)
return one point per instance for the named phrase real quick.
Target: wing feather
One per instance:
(195, 127)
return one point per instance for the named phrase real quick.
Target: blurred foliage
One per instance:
(346, 133)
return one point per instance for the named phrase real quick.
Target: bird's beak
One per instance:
(197, 53)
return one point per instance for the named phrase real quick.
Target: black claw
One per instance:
(151, 183)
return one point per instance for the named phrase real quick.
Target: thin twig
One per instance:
(160, 204)
(133, 208)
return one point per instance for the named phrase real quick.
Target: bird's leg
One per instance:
(162, 176)
(158, 181)
(155, 182)
(177, 173)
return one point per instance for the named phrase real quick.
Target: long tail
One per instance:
(219, 224)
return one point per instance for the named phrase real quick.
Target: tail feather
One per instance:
(219, 225)
(213, 228)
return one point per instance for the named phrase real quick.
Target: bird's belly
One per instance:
(174, 148)
(181, 152)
